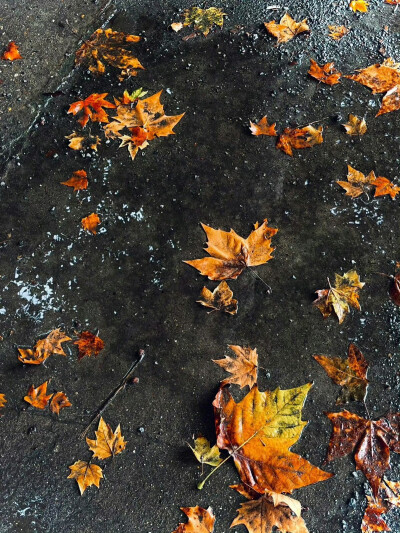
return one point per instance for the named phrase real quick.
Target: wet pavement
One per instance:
(129, 281)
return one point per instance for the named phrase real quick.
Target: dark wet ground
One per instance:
(129, 281)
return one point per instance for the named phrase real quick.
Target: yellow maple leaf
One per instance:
(107, 442)
(359, 5)
(86, 474)
(204, 453)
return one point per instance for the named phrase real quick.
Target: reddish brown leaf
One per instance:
(38, 397)
(220, 299)
(299, 138)
(263, 128)
(326, 74)
(78, 180)
(11, 53)
(199, 520)
(92, 108)
(384, 186)
(58, 402)
(89, 344)
(91, 222)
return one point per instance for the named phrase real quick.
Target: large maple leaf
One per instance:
(259, 431)
(231, 254)
(371, 440)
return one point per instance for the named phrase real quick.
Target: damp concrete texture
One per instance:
(129, 281)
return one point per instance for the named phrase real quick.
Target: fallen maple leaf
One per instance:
(132, 98)
(326, 74)
(390, 102)
(380, 78)
(371, 440)
(384, 186)
(107, 443)
(388, 498)
(176, 26)
(272, 417)
(243, 368)
(231, 254)
(263, 128)
(286, 29)
(3, 400)
(221, 299)
(11, 53)
(355, 125)
(44, 348)
(204, 453)
(339, 298)
(83, 142)
(86, 474)
(337, 32)
(89, 344)
(78, 180)
(350, 374)
(38, 397)
(357, 183)
(299, 138)
(92, 108)
(91, 222)
(58, 402)
(199, 520)
(393, 2)
(108, 47)
(359, 5)
(203, 19)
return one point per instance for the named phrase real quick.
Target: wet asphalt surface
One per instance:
(129, 282)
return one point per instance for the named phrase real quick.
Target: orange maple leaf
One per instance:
(326, 74)
(11, 53)
(337, 32)
(384, 186)
(3, 400)
(390, 102)
(286, 29)
(86, 474)
(263, 128)
(357, 183)
(83, 142)
(89, 344)
(91, 222)
(38, 397)
(299, 138)
(92, 108)
(78, 180)
(359, 5)
(231, 254)
(243, 367)
(58, 402)
(393, 2)
(44, 348)
(199, 520)
(107, 443)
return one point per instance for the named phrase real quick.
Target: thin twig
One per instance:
(114, 393)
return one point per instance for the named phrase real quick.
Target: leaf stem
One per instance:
(256, 276)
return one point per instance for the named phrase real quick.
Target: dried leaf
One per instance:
(199, 520)
(176, 26)
(44, 348)
(91, 222)
(272, 417)
(275, 497)
(58, 402)
(78, 180)
(83, 142)
(3, 400)
(107, 444)
(204, 19)
(231, 254)
(92, 108)
(38, 397)
(243, 368)
(326, 74)
(86, 474)
(384, 186)
(286, 29)
(263, 128)
(11, 53)
(357, 183)
(355, 125)
(107, 47)
(341, 297)
(380, 78)
(204, 453)
(350, 374)
(89, 344)
(393, 2)
(132, 98)
(371, 440)
(221, 299)
(359, 5)
(372, 519)
(337, 32)
(299, 138)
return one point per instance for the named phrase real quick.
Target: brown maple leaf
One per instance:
(390, 102)
(286, 29)
(58, 402)
(92, 108)
(220, 299)
(337, 32)
(272, 417)
(199, 520)
(86, 474)
(299, 138)
(44, 348)
(357, 183)
(371, 440)
(231, 254)
(355, 125)
(263, 128)
(107, 47)
(107, 443)
(341, 297)
(388, 498)
(78, 180)
(359, 5)
(326, 74)
(91, 222)
(350, 374)
(83, 142)
(380, 78)
(11, 53)
(89, 344)
(384, 186)
(243, 367)
(38, 397)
